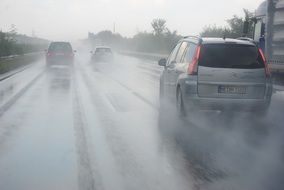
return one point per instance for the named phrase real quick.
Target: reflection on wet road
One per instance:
(99, 127)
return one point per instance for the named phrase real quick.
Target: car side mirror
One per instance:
(162, 62)
(172, 64)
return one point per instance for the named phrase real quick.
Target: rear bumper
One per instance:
(59, 61)
(192, 101)
(102, 58)
(225, 104)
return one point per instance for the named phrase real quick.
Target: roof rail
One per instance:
(191, 37)
(247, 39)
(194, 37)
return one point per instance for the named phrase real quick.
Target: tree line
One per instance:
(12, 43)
(234, 28)
(161, 39)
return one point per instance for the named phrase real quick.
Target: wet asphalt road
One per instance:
(99, 127)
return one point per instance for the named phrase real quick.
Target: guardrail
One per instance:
(9, 63)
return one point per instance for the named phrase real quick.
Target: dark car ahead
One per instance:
(102, 54)
(216, 74)
(59, 53)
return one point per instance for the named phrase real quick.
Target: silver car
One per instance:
(102, 54)
(216, 74)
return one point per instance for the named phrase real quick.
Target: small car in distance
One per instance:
(102, 54)
(216, 74)
(60, 53)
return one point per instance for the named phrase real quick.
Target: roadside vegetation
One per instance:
(12, 43)
(234, 28)
(162, 39)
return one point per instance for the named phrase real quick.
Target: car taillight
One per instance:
(267, 70)
(192, 68)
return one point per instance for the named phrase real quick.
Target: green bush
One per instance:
(8, 46)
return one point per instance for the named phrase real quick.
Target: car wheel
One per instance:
(180, 104)
(162, 99)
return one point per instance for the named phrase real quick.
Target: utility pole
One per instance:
(114, 27)
(33, 33)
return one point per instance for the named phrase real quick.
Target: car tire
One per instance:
(180, 104)
(162, 98)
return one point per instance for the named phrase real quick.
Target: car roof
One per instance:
(103, 47)
(225, 40)
(218, 41)
(60, 42)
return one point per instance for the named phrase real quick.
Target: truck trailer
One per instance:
(269, 32)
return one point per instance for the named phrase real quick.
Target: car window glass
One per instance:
(103, 50)
(173, 54)
(60, 47)
(190, 51)
(181, 52)
(230, 56)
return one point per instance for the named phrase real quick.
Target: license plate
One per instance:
(232, 89)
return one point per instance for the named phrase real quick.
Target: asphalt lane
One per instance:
(79, 128)
(99, 126)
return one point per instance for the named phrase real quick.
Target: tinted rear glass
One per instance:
(103, 50)
(230, 56)
(60, 47)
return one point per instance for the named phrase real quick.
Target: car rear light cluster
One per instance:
(65, 54)
(267, 70)
(192, 68)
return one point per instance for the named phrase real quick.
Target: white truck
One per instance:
(269, 32)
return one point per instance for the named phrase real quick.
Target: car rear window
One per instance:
(230, 56)
(60, 47)
(103, 50)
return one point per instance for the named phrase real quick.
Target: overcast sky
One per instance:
(72, 19)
